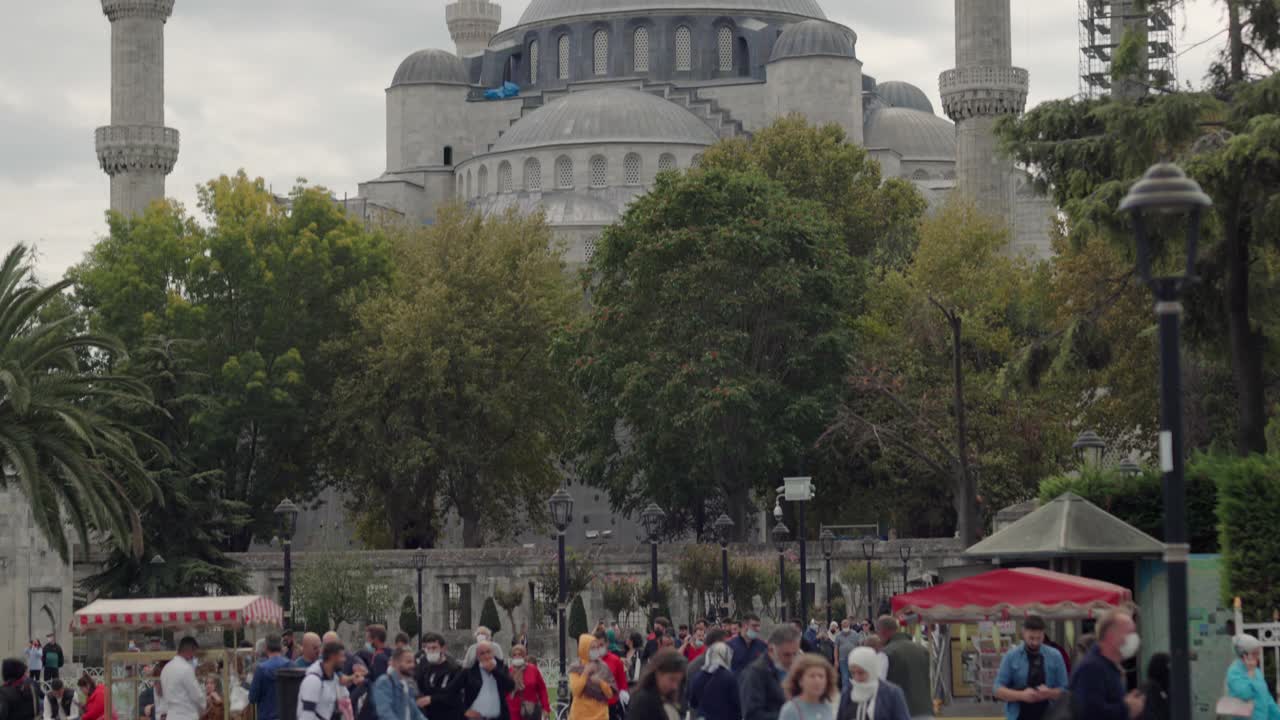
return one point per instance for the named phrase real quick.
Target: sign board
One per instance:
(797, 489)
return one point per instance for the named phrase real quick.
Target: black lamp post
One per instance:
(561, 506)
(651, 517)
(869, 552)
(157, 564)
(1166, 190)
(1128, 468)
(904, 552)
(828, 540)
(780, 535)
(287, 515)
(420, 564)
(1089, 447)
(724, 527)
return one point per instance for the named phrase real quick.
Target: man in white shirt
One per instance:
(320, 692)
(184, 698)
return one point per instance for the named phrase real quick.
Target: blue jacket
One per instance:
(891, 704)
(1097, 689)
(262, 690)
(743, 654)
(389, 698)
(1252, 689)
(714, 696)
(1015, 666)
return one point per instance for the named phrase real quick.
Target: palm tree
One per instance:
(61, 443)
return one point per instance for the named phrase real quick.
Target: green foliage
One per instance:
(644, 596)
(489, 616)
(334, 589)
(254, 292)
(577, 625)
(580, 572)
(509, 600)
(621, 596)
(410, 623)
(1248, 514)
(718, 339)
(66, 442)
(750, 578)
(454, 402)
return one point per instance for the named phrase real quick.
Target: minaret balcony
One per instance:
(154, 9)
(125, 148)
(978, 91)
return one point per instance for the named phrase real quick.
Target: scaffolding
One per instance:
(1103, 24)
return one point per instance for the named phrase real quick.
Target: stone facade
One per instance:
(36, 594)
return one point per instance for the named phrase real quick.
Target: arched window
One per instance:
(484, 180)
(448, 155)
(666, 162)
(504, 177)
(724, 47)
(640, 48)
(684, 49)
(920, 174)
(589, 247)
(631, 169)
(468, 184)
(599, 171)
(533, 62)
(564, 172)
(563, 66)
(533, 175)
(600, 48)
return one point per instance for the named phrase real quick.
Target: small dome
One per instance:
(438, 67)
(814, 37)
(912, 134)
(544, 10)
(904, 95)
(609, 115)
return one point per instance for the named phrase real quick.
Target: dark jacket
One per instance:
(909, 670)
(377, 662)
(715, 696)
(891, 704)
(262, 691)
(17, 702)
(646, 705)
(760, 690)
(1097, 688)
(469, 681)
(435, 681)
(744, 654)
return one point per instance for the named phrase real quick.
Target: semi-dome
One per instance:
(814, 37)
(912, 134)
(544, 10)
(608, 115)
(438, 67)
(904, 95)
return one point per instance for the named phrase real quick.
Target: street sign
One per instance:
(797, 489)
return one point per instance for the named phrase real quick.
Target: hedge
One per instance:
(1249, 514)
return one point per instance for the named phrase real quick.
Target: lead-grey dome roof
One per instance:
(543, 10)
(912, 134)
(904, 95)
(431, 67)
(608, 115)
(814, 37)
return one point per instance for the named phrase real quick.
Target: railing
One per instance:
(983, 76)
(158, 9)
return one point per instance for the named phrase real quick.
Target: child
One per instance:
(811, 685)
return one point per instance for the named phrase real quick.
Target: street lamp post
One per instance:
(1128, 468)
(828, 540)
(651, 517)
(287, 514)
(1166, 190)
(780, 533)
(869, 552)
(1089, 447)
(420, 564)
(724, 527)
(904, 552)
(157, 564)
(561, 506)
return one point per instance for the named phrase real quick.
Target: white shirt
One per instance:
(318, 696)
(184, 698)
(489, 702)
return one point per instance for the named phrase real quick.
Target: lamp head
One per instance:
(1165, 190)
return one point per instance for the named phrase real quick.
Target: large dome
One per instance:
(543, 10)
(609, 115)
(430, 67)
(912, 134)
(814, 37)
(904, 95)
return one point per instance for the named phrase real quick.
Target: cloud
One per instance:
(294, 88)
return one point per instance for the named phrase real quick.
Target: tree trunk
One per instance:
(966, 492)
(738, 505)
(1246, 344)
(1235, 41)
(472, 535)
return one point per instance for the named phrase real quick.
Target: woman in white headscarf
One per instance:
(869, 697)
(713, 691)
(1246, 682)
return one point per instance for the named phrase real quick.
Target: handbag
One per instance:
(530, 711)
(1233, 707)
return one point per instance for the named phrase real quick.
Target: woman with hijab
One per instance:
(1245, 681)
(869, 697)
(713, 691)
(1156, 688)
(590, 683)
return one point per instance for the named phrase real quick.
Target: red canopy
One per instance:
(231, 612)
(1013, 592)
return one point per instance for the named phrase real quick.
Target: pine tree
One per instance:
(489, 616)
(410, 623)
(577, 619)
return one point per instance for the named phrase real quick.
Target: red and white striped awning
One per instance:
(228, 612)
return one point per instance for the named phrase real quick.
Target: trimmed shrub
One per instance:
(1248, 514)
(489, 616)
(409, 621)
(577, 620)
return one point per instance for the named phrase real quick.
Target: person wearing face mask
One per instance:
(760, 683)
(1245, 679)
(483, 635)
(694, 647)
(435, 674)
(600, 651)
(1032, 675)
(846, 640)
(747, 647)
(591, 683)
(529, 700)
(484, 685)
(1097, 685)
(869, 697)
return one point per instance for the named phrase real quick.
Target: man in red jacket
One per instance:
(619, 701)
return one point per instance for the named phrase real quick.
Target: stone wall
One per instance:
(36, 593)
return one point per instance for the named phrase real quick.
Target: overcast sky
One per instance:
(294, 88)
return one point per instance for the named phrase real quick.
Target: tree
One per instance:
(620, 596)
(489, 617)
(509, 600)
(333, 589)
(256, 291)
(718, 335)
(410, 623)
(64, 444)
(455, 403)
(577, 626)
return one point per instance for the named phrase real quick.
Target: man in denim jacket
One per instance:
(1032, 675)
(395, 695)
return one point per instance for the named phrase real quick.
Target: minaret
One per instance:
(472, 23)
(136, 149)
(982, 87)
